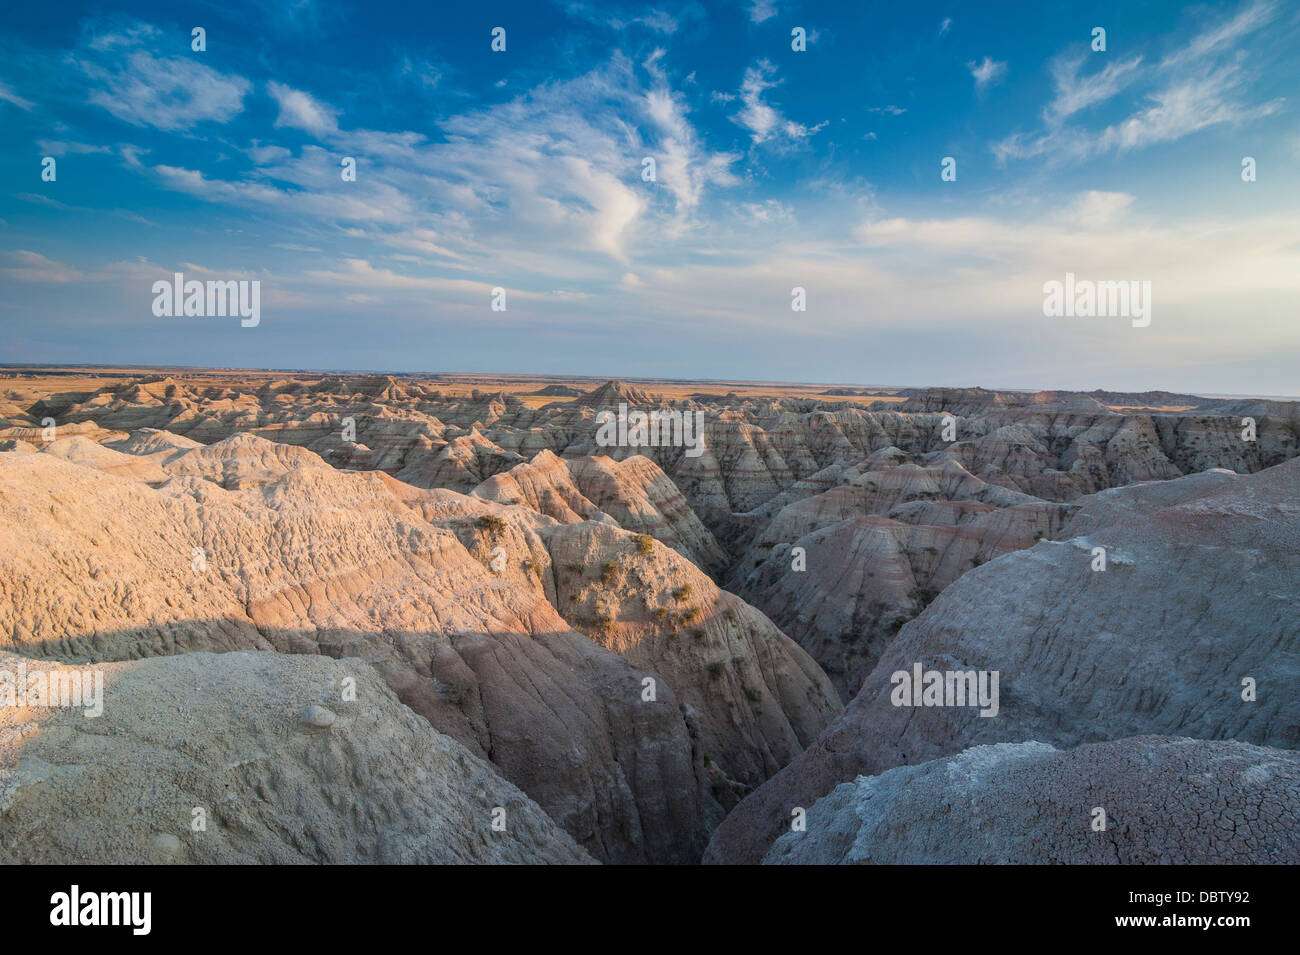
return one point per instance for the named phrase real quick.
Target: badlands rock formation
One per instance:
(645, 641)
(960, 448)
(842, 570)
(280, 766)
(1165, 801)
(1197, 604)
(1053, 445)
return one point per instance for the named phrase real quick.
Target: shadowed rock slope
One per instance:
(282, 767)
(1198, 596)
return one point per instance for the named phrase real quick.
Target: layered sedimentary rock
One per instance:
(81, 450)
(750, 695)
(633, 493)
(1190, 629)
(242, 758)
(842, 570)
(545, 485)
(258, 545)
(1139, 801)
(1054, 445)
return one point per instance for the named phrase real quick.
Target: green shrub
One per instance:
(491, 523)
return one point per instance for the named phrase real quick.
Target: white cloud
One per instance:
(9, 96)
(357, 274)
(1075, 93)
(266, 154)
(760, 11)
(985, 72)
(166, 92)
(1219, 38)
(536, 182)
(1095, 209)
(1187, 261)
(303, 111)
(371, 202)
(767, 212)
(422, 71)
(50, 147)
(945, 25)
(658, 21)
(766, 124)
(135, 35)
(33, 267)
(685, 168)
(40, 199)
(1188, 91)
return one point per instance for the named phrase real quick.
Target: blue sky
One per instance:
(774, 169)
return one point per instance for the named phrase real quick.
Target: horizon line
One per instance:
(641, 379)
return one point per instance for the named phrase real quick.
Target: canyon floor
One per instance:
(438, 619)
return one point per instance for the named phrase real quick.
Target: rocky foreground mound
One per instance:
(241, 758)
(1190, 629)
(1138, 801)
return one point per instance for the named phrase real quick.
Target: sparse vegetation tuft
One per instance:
(491, 523)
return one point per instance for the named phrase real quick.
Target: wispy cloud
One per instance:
(986, 72)
(766, 123)
(554, 168)
(1205, 83)
(27, 266)
(1075, 92)
(9, 96)
(1222, 36)
(51, 147)
(303, 111)
(167, 93)
(615, 17)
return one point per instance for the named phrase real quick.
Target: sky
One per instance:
(775, 168)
